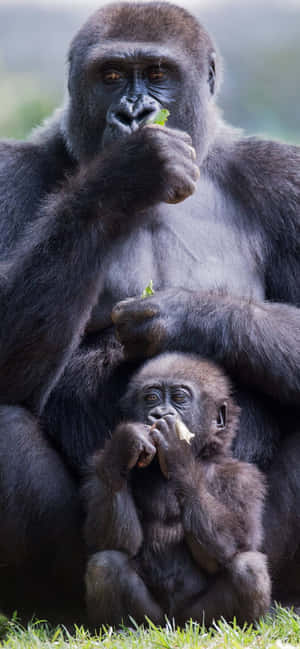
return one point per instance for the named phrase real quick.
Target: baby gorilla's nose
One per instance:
(160, 413)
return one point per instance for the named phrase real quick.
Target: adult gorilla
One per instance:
(88, 216)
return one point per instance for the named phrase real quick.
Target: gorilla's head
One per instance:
(130, 60)
(186, 385)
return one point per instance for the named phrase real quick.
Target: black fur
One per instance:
(92, 207)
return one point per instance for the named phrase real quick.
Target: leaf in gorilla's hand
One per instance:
(148, 291)
(160, 117)
(183, 432)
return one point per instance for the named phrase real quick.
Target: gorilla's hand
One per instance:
(173, 454)
(129, 446)
(175, 170)
(149, 326)
(155, 164)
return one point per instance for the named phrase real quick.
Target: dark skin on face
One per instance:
(181, 521)
(132, 88)
(173, 400)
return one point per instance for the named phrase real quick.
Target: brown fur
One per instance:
(185, 531)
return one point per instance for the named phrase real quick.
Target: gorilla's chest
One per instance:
(196, 248)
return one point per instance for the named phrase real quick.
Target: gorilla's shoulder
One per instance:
(14, 153)
(274, 164)
(28, 171)
(37, 160)
(31, 168)
(261, 175)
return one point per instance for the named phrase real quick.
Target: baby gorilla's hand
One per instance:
(173, 454)
(129, 446)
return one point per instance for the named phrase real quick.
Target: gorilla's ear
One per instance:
(221, 418)
(212, 72)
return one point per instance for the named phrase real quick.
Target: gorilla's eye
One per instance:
(180, 396)
(151, 397)
(112, 76)
(156, 74)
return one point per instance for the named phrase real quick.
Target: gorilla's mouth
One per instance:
(113, 132)
(117, 130)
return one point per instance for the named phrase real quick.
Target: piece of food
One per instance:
(183, 432)
(148, 291)
(160, 117)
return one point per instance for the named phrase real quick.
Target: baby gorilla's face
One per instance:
(161, 398)
(179, 385)
(164, 399)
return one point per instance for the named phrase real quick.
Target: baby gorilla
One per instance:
(181, 521)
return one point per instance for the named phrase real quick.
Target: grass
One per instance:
(279, 631)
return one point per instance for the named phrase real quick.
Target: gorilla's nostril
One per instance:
(145, 114)
(124, 118)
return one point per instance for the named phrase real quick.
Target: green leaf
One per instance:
(148, 291)
(160, 117)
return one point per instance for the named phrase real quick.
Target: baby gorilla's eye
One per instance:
(180, 396)
(150, 398)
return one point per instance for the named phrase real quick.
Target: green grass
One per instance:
(280, 631)
(24, 104)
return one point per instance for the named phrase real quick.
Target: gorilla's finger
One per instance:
(134, 308)
(158, 439)
(146, 456)
(172, 132)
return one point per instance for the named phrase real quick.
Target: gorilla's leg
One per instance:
(242, 590)
(282, 521)
(41, 551)
(115, 592)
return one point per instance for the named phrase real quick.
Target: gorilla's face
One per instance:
(128, 62)
(196, 390)
(132, 88)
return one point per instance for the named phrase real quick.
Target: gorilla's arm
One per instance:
(221, 499)
(222, 512)
(112, 520)
(258, 343)
(222, 519)
(51, 278)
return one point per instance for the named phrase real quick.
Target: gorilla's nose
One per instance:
(132, 113)
(160, 413)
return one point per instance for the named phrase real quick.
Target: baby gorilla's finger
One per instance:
(161, 444)
(158, 438)
(167, 426)
(171, 420)
(146, 455)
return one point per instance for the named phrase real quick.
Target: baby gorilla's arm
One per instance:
(221, 505)
(112, 521)
(114, 590)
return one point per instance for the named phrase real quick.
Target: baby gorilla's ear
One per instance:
(225, 425)
(222, 430)
(221, 417)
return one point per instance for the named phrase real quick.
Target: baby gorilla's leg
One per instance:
(241, 590)
(115, 592)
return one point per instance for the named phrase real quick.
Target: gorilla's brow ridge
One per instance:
(100, 54)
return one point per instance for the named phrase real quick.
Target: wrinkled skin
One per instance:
(93, 206)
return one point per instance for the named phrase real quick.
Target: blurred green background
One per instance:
(259, 41)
